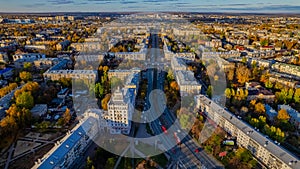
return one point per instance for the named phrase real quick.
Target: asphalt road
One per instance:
(184, 153)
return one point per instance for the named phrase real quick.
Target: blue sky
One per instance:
(252, 6)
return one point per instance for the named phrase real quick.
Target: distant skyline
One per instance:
(241, 6)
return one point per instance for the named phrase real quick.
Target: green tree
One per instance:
(290, 95)
(264, 42)
(184, 121)
(228, 93)
(269, 84)
(170, 75)
(89, 163)
(297, 95)
(25, 100)
(27, 65)
(115, 82)
(254, 122)
(209, 91)
(110, 163)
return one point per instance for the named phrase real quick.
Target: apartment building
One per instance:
(90, 57)
(214, 43)
(178, 64)
(140, 55)
(169, 54)
(28, 57)
(90, 75)
(43, 47)
(121, 106)
(287, 68)
(264, 149)
(225, 55)
(66, 151)
(122, 73)
(261, 54)
(186, 31)
(260, 62)
(187, 82)
(283, 79)
(45, 63)
(256, 91)
(119, 112)
(88, 47)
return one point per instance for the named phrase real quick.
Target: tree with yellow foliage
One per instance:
(105, 101)
(260, 108)
(67, 116)
(283, 115)
(174, 85)
(25, 76)
(243, 74)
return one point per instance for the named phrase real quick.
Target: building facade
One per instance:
(264, 149)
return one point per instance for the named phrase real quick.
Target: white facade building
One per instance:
(187, 82)
(264, 149)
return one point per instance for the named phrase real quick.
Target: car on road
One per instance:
(164, 129)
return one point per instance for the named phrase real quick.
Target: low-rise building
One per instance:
(271, 113)
(62, 45)
(3, 57)
(39, 110)
(6, 73)
(294, 115)
(63, 93)
(256, 91)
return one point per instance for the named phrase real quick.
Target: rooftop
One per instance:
(62, 149)
(185, 78)
(268, 144)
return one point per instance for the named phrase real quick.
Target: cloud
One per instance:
(34, 5)
(61, 2)
(128, 2)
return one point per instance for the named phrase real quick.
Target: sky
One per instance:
(236, 6)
